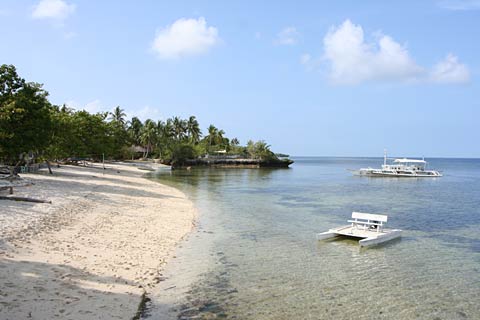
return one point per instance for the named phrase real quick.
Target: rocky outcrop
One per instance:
(235, 163)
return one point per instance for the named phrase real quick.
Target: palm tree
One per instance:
(161, 137)
(169, 130)
(118, 115)
(251, 149)
(219, 137)
(212, 134)
(193, 129)
(179, 126)
(235, 142)
(259, 150)
(135, 130)
(148, 135)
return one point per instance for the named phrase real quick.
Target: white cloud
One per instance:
(69, 35)
(460, 5)
(57, 10)
(185, 37)
(305, 58)
(352, 60)
(147, 112)
(310, 62)
(94, 106)
(450, 70)
(72, 104)
(288, 36)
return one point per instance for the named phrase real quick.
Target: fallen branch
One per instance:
(24, 199)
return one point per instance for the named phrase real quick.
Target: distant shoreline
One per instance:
(235, 163)
(100, 245)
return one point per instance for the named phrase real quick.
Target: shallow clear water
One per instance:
(254, 254)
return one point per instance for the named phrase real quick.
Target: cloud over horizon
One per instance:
(287, 36)
(185, 37)
(460, 5)
(53, 9)
(352, 60)
(94, 106)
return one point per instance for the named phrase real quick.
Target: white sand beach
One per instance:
(92, 252)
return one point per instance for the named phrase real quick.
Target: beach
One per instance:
(92, 252)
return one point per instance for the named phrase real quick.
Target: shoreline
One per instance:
(96, 250)
(235, 163)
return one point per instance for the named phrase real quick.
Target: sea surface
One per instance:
(254, 255)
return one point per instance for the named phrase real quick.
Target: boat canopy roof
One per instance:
(405, 160)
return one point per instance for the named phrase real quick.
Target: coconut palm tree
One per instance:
(169, 130)
(212, 135)
(220, 134)
(135, 130)
(235, 142)
(179, 126)
(148, 135)
(161, 137)
(193, 130)
(118, 115)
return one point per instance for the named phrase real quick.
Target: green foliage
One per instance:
(193, 130)
(135, 131)
(149, 135)
(182, 152)
(90, 135)
(84, 135)
(118, 116)
(260, 150)
(118, 132)
(234, 142)
(25, 123)
(30, 124)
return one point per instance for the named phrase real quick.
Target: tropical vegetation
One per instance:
(33, 129)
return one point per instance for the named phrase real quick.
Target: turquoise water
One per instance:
(254, 254)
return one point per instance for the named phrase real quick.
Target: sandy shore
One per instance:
(94, 250)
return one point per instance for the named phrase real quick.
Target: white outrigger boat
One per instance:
(412, 168)
(368, 227)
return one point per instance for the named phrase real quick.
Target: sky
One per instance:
(312, 78)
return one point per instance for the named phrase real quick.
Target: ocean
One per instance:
(254, 255)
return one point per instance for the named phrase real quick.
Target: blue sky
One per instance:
(342, 78)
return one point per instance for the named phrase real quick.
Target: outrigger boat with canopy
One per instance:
(412, 168)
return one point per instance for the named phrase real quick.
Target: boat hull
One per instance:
(368, 237)
(380, 173)
(401, 175)
(371, 241)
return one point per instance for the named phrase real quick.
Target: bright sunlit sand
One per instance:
(93, 252)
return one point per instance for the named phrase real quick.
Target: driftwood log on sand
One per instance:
(24, 199)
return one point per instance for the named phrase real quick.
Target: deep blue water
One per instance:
(254, 253)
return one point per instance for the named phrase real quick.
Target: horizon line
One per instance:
(381, 157)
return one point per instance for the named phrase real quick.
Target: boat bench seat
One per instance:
(367, 220)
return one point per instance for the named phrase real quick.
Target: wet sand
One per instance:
(90, 254)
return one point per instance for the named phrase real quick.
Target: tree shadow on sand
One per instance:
(40, 290)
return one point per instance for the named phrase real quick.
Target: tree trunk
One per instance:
(48, 166)
(11, 178)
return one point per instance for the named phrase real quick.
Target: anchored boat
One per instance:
(412, 168)
(366, 226)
